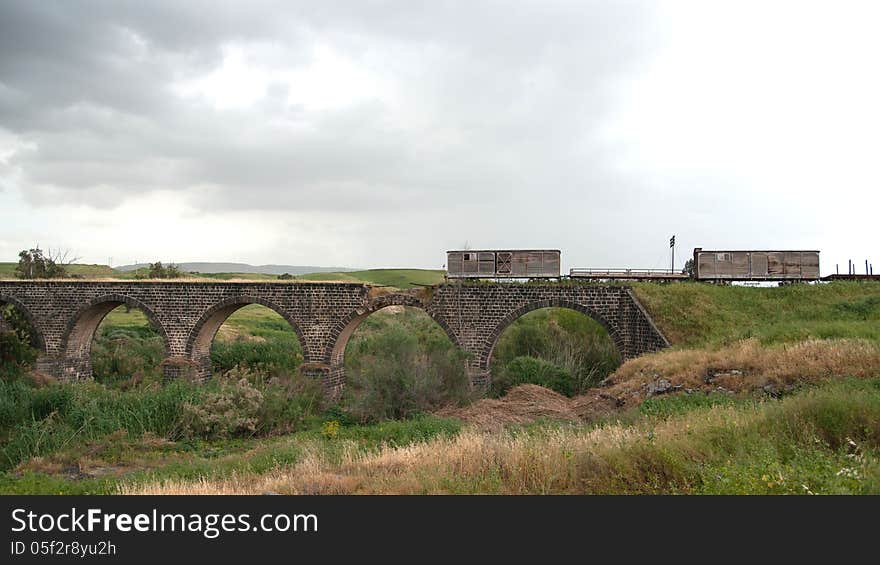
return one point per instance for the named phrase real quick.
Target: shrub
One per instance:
(288, 401)
(231, 411)
(528, 370)
(127, 356)
(16, 356)
(330, 430)
(278, 356)
(159, 271)
(398, 373)
(565, 338)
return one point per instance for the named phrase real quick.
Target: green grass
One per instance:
(397, 278)
(236, 276)
(820, 440)
(344, 277)
(701, 315)
(119, 318)
(134, 460)
(7, 270)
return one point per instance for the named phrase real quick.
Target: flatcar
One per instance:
(753, 265)
(503, 264)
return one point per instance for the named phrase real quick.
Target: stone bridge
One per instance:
(65, 314)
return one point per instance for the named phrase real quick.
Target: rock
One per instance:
(712, 374)
(618, 402)
(660, 386)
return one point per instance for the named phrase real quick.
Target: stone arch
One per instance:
(334, 357)
(198, 345)
(37, 340)
(492, 340)
(76, 343)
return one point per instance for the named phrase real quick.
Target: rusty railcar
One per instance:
(503, 264)
(754, 265)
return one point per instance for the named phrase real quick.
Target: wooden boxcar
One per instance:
(749, 265)
(503, 263)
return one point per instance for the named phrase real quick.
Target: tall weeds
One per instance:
(824, 440)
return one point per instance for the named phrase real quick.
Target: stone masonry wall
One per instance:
(66, 314)
(477, 314)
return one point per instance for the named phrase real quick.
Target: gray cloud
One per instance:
(502, 95)
(487, 122)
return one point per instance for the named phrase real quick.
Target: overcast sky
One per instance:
(382, 133)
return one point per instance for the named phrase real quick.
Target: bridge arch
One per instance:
(198, 346)
(37, 340)
(485, 360)
(76, 343)
(342, 332)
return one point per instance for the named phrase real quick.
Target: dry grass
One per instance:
(528, 464)
(745, 366)
(522, 404)
(740, 368)
(688, 453)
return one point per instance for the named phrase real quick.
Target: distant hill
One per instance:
(212, 268)
(398, 278)
(7, 270)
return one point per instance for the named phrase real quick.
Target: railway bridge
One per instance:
(64, 315)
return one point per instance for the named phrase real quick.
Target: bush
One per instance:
(159, 271)
(16, 356)
(398, 373)
(528, 370)
(278, 356)
(127, 356)
(244, 403)
(288, 401)
(229, 412)
(565, 338)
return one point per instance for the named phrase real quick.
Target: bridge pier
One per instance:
(180, 367)
(49, 365)
(479, 378)
(332, 380)
(73, 367)
(200, 367)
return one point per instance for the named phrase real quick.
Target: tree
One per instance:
(689, 268)
(34, 264)
(285, 277)
(159, 271)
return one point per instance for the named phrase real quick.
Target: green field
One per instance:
(397, 278)
(701, 315)
(7, 270)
